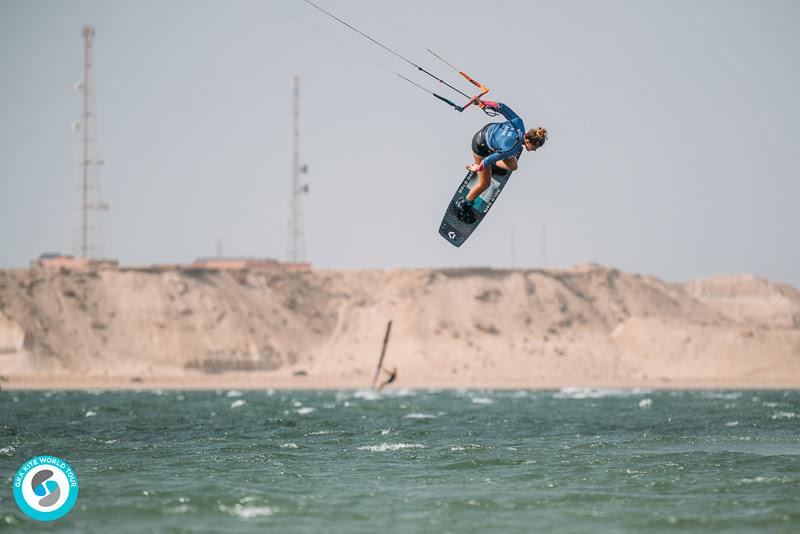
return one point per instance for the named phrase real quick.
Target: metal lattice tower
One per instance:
(296, 252)
(90, 201)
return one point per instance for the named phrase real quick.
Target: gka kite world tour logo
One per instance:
(45, 488)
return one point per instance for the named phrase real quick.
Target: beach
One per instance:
(589, 325)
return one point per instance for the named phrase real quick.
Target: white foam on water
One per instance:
(385, 431)
(233, 393)
(248, 512)
(645, 403)
(721, 395)
(456, 448)
(320, 432)
(180, 509)
(482, 400)
(91, 413)
(305, 410)
(761, 480)
(297, 404)
(597, 393)
(419, 416)
(289, 446)
(732, 423)
(784, 415)
(367, 394)
(400, 393)
(384, 447)
(7, 450)
(238, 402)
(771, 404)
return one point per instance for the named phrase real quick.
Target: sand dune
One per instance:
(588, 325)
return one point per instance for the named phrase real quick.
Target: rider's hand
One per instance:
(473, 167)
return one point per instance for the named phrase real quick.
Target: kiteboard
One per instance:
(456, 231)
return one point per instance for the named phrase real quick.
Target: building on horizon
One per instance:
(56, 260)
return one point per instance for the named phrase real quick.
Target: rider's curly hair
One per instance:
(536, 136)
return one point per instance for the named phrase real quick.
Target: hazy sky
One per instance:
(674, 131)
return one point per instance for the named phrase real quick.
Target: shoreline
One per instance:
(261, 382)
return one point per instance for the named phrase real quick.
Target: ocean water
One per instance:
(574, 460)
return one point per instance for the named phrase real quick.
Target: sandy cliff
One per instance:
(467, 327)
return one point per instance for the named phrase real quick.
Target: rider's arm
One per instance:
(504, 110)
(491, 159)
(515, 119)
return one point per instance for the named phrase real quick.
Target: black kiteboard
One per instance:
(455, 231)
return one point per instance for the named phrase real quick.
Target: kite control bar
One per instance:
(474, 100)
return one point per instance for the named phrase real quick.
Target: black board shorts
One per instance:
(479, 144)
(481, 148)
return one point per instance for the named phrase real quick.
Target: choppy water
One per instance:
(463, 461)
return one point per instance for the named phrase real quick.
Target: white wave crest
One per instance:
(248, 512)
(383, 447)
(733, 395)
(367, 394)
(597, 393)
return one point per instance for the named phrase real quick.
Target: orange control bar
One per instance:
(479, 85)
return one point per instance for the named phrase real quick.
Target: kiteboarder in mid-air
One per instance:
(499, 144)
(496, 146)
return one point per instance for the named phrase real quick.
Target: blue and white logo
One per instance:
(45, 488)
